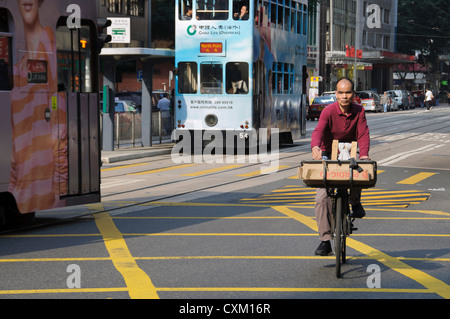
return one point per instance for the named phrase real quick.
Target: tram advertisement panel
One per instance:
(38, 151)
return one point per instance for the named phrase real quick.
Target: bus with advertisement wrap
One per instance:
(241, 68)
(49, 128)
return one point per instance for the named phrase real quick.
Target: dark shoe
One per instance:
(358, 211)
(324, 249)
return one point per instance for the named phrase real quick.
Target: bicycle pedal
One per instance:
(354, 228)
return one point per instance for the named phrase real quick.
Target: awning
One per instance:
(369, 58)
(123, 54)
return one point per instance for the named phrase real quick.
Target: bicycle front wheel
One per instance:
(338, 236)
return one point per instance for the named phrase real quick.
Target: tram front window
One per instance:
(211, 75)
(237, 78)
(187, 78)
(212, 9)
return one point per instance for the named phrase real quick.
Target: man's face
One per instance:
(344, 93)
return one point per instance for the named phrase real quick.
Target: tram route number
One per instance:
(226, 309)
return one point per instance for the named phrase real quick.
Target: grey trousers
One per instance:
(324, 210)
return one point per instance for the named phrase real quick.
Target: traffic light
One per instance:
(102, 37)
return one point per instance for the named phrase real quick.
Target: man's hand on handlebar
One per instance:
(316, 153)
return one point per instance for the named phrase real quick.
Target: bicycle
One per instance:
(338, 177)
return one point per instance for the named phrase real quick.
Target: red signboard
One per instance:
(211, 47)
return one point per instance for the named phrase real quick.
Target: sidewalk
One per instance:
(130, 153)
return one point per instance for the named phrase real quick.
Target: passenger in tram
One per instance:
(39, 137)
(188, 14)
(242, 14)
(236, 84)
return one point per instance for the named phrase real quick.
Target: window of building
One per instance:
(115, 6)
(187, 77)
(386, 42)
(237, 78)
(211, 78)
(386, 14)
(212, 9)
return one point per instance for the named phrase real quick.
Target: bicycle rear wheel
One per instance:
(339, 238)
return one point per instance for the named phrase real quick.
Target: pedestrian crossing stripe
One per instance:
(295, 195)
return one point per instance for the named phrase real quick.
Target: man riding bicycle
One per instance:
(346, 122)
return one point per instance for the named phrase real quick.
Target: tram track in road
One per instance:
(300, 150)
(378, 137)
(54, 222)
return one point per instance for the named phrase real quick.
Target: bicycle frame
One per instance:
(341, 224)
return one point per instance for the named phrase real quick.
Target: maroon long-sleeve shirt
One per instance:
(335, 125)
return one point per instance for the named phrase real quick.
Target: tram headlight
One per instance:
(211, 120)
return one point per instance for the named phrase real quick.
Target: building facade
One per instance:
(133, 43)
(361, 43)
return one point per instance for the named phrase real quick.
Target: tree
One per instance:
(163, 21)
(424, 28)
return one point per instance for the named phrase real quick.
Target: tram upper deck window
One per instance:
(212, 9)
(237, 78)
(211, 78)
(5, 52)
(187, 77)
(240, 9)
(185, 9)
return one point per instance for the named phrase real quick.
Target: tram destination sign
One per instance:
(211, 47)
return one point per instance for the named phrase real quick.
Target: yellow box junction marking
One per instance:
(434, 285)
(138, 282)
(295, 195)
(416, 178)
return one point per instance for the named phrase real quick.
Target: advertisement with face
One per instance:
(38, 173)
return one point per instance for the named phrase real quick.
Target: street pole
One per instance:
(357, 15)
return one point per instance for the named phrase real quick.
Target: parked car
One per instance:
(318, 104)
(370, 101)
(125, 106)
(393, 105)
(401, 98)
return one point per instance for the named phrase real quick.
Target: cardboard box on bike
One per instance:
(337, 173)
